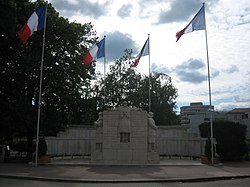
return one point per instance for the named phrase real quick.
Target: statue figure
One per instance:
(152, 128)
(99, 125)
(99, 121)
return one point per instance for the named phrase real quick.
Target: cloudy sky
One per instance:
(127, 24)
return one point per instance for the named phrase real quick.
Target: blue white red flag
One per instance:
(144, 52)
(34, 23)
(197, 23)
(95, 52)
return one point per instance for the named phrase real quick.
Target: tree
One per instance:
(230, 138)
(123, 83)
(66, 81)
(163, 99)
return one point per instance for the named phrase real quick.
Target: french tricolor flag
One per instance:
(96, 51)
(35, 23)
(144, 52)
(197, 23)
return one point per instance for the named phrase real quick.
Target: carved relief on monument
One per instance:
(124, 123)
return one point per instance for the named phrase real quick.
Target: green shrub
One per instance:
(42, 147)
(230, 139)
(208, 148)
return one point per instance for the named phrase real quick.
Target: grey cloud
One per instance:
(193, 71)
(243, 18)
(85, 7)
(192, 77)
(231, 69)
(159, 69)
(189, 71)
(144, 5)
(125, 10)
(192, 64)
(181, 10)
(116, 43)
(237, 98)
(215, 73)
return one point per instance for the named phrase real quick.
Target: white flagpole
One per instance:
(149, 77)
(40, 87)
(210, 99)
(104, 61)
(104, 69)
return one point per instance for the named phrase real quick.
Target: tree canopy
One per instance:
(66, 81)
(123, 83)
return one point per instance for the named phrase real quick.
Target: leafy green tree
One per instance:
(66, 84)
(123, 83)
(163, 99)
(11, 75)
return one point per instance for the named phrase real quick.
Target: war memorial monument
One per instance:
(125, 135)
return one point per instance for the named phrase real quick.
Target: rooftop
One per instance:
(239, 110)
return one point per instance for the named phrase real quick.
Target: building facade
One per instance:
(195, 114)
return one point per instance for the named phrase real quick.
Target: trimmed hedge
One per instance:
(230, 137)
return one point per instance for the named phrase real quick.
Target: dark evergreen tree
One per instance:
(230, 138)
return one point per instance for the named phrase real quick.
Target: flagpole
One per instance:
(104, 72)
(40, 87)
(149, 77)
(104, 61)
(209, 90)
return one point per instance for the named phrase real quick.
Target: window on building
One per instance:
(235, 116)
(124, 137)
(99, 146)
(244, 116)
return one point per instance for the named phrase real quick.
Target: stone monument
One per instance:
(125, 135)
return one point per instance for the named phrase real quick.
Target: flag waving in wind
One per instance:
(197, 23)
(144, 52)
(34, 23)
(96, 51)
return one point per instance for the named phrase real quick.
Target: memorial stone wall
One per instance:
(125, 136)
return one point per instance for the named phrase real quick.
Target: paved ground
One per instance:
(168, 170)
